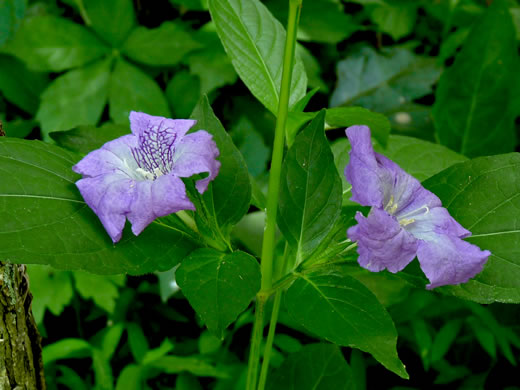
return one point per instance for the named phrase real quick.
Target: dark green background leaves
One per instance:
(475, 106)
(483, 195)
(47, 221)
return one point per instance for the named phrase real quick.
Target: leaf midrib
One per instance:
(248, 35)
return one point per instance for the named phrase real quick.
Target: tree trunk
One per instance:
(21, 365)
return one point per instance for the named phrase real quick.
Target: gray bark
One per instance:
(21, 366)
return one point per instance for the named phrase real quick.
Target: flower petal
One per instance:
(447, 259)
(378, 181)
(363, 171)
(432, 222)
(197, 153)
(141, 122)
(110, 197)
(153, 199)
(382, 242)
(113, 157)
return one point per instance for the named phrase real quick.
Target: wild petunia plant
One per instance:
(406, 220)
(184, 186)
(138, 176)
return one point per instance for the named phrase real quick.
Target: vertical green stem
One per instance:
(256, 339)
(268, 243)
(279, 138)
(272, 324)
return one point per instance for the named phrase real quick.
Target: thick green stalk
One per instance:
(268, 243)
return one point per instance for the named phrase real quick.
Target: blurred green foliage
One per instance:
(71, 71)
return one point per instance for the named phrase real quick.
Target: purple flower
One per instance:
(138, 176)
(405, 221)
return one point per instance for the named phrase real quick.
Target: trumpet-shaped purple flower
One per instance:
(406, 220)
(138, 176)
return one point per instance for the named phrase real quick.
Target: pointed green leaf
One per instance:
(47, 222)
(19, 85)
(75, 98)
(231, 190)
(66, 349)
(211, 64)
(255, 40)
(340, 309)
(314, 367)
(219, 286)
(349, 116)
(55, 299)
(483, 195)
(84, 139)
(310, 190)
(52, 44)
(133, 90)
(383, 81)
(474, 102)
(164, 45)
(112, 20)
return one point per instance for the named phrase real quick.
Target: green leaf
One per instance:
(11, 15)
(314, 367)
(396, 19)
(137, 342)
(208, 343)
(251, 144)
(66, 349)
(70, 379)
(255, 40)
(193, 364)
(230, 193)
(211, 64)
(473, 111)
(111, 336)
(164, 45)
(112, 20)
(349, 116)
(383, 82)
(51, 289)
(421, 159)
(485, 337)
(19, 128)
(183, 93)
(332, 26)
(157, 353)
(313, 70)
(52, 44)
(133, 90)
(130, 378)
(340, 309)
(423, 339)
(102, 370)
(100, 288)
(483, 196)
(219, 286)
(444, 339)
(75, 98)
(84, 139)
(310, 190)
(19, 85)
(47, 221)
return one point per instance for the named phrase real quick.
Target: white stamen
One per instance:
(415, 212)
